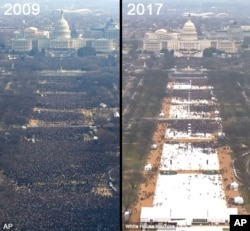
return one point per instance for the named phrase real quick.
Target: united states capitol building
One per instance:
(186, 42)
(58, 41)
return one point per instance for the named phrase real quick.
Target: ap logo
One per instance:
(7, 226)
(239, 222)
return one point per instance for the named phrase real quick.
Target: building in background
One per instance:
(58, 41)
(186, 42)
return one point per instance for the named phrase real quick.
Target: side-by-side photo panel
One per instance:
(185, 115)
(60, 115)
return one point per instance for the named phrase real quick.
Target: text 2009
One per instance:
(21, 9)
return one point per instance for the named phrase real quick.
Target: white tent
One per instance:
(220, 215)
(126, 215)
(161, 114)
(234, 186)
(238, 200)
(153, 146)
(148, 167)
(154, 214)
(184, 216)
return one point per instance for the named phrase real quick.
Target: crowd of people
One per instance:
(72, 117)
(66, 101)
(194, 95)
(56, 173)
(194, 81)
(56, 133)
(196, 126)
(57, 210)
(202, 108)
(205, 145)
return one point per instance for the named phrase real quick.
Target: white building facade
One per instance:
(60, 39)
(185, 43)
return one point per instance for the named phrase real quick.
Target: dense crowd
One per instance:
(65, 101)
(206, 145)
(201, 144)
(202, 108)
(199, 81)
(186, 76)
(56, 133)
(71, 117)
(57, 174)
(194, 95)
(197, 126)
(59, 210)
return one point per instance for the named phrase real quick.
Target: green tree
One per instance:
(86, 51)
(209, 52)
(168, 59)
(246, 42)
(33, 52)
(3, 40)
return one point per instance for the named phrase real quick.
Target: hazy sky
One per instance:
(69, 3)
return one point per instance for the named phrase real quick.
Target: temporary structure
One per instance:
(126, 215)
(234, 186)
(161, 114)
(184, 216)
(238, 200)
(148, 167)
(153, 146)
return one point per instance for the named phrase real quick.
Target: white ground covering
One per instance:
(187, 157)
(189, 191)
(184, 197)
(176, 100)
(183, 112)
(172, 133)
(186, 86)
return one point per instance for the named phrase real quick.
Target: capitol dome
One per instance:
(189, 32)
(111, 24)
(31, 29)
(61, 30)
(161, 31)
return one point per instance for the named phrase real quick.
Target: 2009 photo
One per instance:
(59, 115)
(124, 115)
(185, 115)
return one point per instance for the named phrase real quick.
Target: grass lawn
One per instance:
(137, 137)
